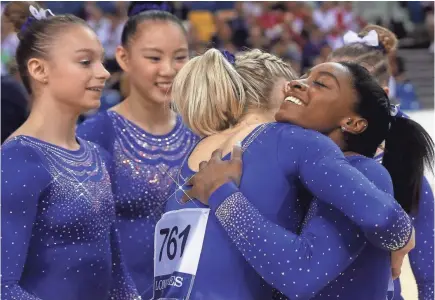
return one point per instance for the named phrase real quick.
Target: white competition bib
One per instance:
(178, 240)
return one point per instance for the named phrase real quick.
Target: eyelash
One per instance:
(155, 59)
(319, 83)
(85, 63)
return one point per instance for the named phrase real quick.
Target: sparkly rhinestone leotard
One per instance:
(58, 235)
(144, 168)
(254, 228)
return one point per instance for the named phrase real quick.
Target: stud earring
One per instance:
(343, 129)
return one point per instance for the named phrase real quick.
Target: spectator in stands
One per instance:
(312, 48)
(306, 12)
(257, 39)
(196, 45)
(293, 25)
(294, 19)
(430, 23)
(117, 16)
(239, 26)
(335, 38)
(252, 9)
(270, 20)
(325, 16)
(9, 43)
(346, 18)
(223, 35)
(286, 48)
(14, 105)
(180, 9)
(98, 21)
(405, 91)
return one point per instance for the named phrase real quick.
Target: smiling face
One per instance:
(151, 61)
(323, 99)
(76, 75)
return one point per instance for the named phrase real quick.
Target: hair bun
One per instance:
(387, 39)
(17, 12)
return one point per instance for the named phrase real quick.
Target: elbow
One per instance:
(392, 231)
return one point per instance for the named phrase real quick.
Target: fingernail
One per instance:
(238, 143)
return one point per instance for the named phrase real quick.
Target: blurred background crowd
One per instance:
(302, 33)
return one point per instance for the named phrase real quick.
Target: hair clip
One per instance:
(36, 14)
(26, 24)
(229, 56)
(371, 39)
(396, 112)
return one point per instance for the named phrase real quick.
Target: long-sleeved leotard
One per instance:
(285, 260)
(57, 224)
(143, 167)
